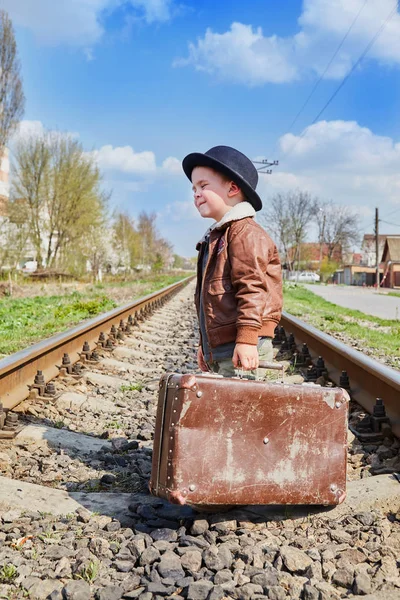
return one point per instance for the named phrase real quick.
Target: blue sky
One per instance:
(144, 82)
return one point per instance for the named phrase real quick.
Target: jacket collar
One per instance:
(236, 213)
(239, 211)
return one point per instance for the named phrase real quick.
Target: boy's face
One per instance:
(212, 193)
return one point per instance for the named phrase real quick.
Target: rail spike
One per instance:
(102, 339)
(39, 384)
(109, 345)
(320, 366)
(50, 390)
(344, 381)
(66, 363)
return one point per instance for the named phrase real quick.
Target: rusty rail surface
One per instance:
(369, 379)
(18, 370)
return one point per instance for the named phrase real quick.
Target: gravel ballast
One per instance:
(157, 550)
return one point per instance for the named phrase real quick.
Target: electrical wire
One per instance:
(345, 78)
(389, 223)
(393, 211)
(327, 67)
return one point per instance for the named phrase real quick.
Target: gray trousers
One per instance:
(225, 366)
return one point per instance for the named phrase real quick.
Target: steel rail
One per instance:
(369, 379)
(18, 370)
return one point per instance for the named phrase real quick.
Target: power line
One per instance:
(346, 77)
(389, 223)
(392, 213)
(327, 67)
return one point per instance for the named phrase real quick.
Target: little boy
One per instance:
(239, 281)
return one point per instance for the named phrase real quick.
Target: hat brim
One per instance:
(196, 159)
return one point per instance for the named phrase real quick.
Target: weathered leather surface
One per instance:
(236, 441)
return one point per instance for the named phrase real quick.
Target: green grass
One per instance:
(8, 573)
(24, 321)
(380, 336)
(132, 387)
(113, 425)
(89, 572)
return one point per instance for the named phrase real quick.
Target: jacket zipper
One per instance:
(202, 293)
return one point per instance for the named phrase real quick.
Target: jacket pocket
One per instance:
(220, 286)
(222, 300)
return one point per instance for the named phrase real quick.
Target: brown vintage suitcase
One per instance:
(221, 441)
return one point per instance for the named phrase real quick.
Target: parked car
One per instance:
(303, 276)
(29, 266)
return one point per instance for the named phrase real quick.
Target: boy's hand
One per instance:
(245, 356)
(200, 360)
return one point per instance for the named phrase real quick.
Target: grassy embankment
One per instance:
(24, 321)
(374, 336)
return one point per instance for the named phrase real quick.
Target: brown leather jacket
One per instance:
(242, 283)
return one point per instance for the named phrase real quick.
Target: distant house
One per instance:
(391, 262)
(362, 271)
(356, 274)
(311, 253)
(368, 248)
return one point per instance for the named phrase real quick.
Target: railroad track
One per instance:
(87, 443)
(367, 378)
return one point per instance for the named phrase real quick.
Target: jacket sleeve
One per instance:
(255, 272)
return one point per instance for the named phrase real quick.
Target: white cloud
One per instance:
(125, 159)
(181, 211)
(343, 145)
(154, 10)
(244, 55)
(172, 165)
(343, 162)
(27, 129)
(281, 181)
(30, 128)
(128, 187)
(79, 22)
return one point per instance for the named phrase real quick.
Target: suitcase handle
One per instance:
(265, 364)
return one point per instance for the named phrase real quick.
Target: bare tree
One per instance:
(12, 98)
(337, 228)
(302, 211)
(29, 187)
(58, 187)
(14, 231)
(276, 219)
(288, 218)
(74, 201)
(155, 250)
(93, 250)
(125, 241)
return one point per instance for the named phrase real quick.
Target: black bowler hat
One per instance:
(230, 162)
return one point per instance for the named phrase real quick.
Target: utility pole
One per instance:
(322, 239)
(377, 245)
(265, 165)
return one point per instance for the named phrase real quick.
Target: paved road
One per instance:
(358, 298)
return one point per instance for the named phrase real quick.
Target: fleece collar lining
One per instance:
(236, 213)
